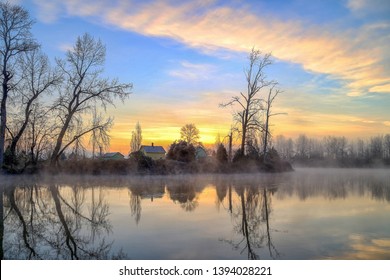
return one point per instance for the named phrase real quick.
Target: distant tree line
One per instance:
(335, 151)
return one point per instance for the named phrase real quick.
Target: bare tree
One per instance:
(82, 91)
(386, 146)
(15, 39)
(136, 138)
(302, 146)
(190, 134)
(99, 137)
(284, 146)
(376, 147)
(250, 105)
(40, 133)
(36, 79)
(272, 94)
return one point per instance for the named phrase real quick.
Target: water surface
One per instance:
(306, 214)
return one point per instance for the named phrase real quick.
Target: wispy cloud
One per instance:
(381, 88)
(192, 71)
(369, 6)
(353, 56)
(65, 47)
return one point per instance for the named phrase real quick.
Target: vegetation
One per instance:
(83, 89)
(136, 138)
(190, 134)
(38, 127)
(252, 115)
(181, 151)
(335, 151)
(15, 40)
(39, 133)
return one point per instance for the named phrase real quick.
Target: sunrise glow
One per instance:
(184, 58)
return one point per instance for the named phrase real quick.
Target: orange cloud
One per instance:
(351, 55)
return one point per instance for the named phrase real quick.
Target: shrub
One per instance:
(222, 156)
(181, 151)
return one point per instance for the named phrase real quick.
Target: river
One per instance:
(306, 214)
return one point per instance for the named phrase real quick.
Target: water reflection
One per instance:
(55, 222)
(251, 216)
(302, 215)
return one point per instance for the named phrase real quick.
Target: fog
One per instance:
(237, 215)
(304, 182)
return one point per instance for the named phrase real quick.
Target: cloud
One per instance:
(381, 89)
(363, 247)
(65, 47)
(193, 71)
(48, 11)
(353, 56)
(363, 7)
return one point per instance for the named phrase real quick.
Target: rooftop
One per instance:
(153, 149)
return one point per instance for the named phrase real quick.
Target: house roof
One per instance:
(153, 149)
(109, 155)
(200, 152)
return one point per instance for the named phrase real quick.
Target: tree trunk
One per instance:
(56, 152)
(16, 139)
(266, 136)
(3, 121)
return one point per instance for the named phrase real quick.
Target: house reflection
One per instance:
(143, 190)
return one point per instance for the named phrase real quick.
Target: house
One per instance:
(112, 156)
(155, 152)
(200, 153)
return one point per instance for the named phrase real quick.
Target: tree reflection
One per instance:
(1, 221)
(252, 217)
(143, 190)
(337, 184)
(185, 194)
(56, 222)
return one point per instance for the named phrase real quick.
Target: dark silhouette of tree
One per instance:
(181, 151)
(272, 94)
(99, 137)
(83, 90)
(36, 79)
(190, 134)
(39, 133)
(250, 104)
(15, 39)
(222, 155)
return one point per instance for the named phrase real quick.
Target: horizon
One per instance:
(185, 58)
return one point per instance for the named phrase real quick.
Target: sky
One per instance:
(184, 58)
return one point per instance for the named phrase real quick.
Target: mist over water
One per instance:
(307, 214)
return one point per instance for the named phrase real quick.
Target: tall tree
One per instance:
(250, 104)
(99, 137)
(272, 94)
(40, 133)
(136, 138)
(83, 90)
(222, 155)
(190, 134)
(36, 79)
(15, 39)
(302, 146)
